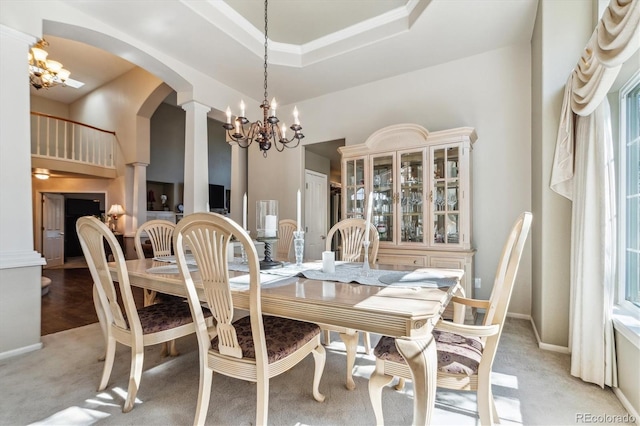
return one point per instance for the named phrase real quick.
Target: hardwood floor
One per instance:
(69, 302)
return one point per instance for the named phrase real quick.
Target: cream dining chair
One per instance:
(253, 348)
(286, 228)
(465, 352)
(134, 327)
(351, 236)
(160, 235)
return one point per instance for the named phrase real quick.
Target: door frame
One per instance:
(37, 212)
(307, 213)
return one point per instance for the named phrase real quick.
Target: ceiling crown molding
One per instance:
(364, 33)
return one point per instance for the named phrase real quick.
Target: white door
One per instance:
(315, 214)
(53, 229)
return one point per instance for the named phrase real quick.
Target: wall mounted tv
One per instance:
(216, 196)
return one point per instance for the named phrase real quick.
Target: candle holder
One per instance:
(267, 227)
(365, 263)
(298, 246)
(243, 253)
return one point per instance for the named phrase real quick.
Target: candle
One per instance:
(298, 218)
(244, 211)
(270, 225)
(241, 108)
(273, 107)
(296, 119)
(368, 221)
(228, 115)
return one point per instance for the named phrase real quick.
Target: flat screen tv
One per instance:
(216, 196)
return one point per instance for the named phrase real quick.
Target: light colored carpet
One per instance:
(57, 385)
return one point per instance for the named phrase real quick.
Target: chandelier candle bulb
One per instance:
(242, 108)
(228, 115)
(296, 120)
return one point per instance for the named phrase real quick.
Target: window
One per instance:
(629, 193)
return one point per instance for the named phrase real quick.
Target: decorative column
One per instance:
(196, 158)
(20, 264)
(138, 209)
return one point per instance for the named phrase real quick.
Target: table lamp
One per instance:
(115, 211)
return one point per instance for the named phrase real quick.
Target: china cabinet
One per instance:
(420, 183)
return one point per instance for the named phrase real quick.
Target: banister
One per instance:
(72, 121)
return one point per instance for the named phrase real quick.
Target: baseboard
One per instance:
(547, 346)
(627, 405)
(20, 351)
(518, 316)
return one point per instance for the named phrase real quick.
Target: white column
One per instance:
(238, 180)
(196, 159)
(20, 264)
(138, 210)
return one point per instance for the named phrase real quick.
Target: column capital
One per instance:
(138, 164)
(195, 106)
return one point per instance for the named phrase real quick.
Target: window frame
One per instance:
(621, 300)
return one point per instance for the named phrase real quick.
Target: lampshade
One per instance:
(116, 210)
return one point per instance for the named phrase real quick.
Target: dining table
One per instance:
(386, 300)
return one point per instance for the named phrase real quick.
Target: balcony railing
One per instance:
(62, 139)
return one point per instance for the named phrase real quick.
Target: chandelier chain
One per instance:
(266, 37)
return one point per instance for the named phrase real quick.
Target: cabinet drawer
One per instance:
(390, 259)
(446, 262)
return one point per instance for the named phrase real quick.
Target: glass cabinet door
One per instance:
(355, 188)
(445, 195)
(383, 196)
(411, 196)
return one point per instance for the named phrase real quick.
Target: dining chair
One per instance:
(159, 233)
(465, 352)
(254, 348)
(351, 236)
(134, 327)
(286, 228)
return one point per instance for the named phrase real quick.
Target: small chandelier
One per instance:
(267, 132)
(44, 72)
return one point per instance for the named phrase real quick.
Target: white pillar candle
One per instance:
(298, 214)
(244, 211)
(270, 225)
(328, 262)
(368, 221)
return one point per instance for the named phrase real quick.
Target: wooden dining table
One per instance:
(407, 313)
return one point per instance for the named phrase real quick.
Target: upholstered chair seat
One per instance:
(283, 336)
(457, 354)
(166, 315)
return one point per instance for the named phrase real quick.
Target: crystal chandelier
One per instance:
(44, 72)
(267, 132)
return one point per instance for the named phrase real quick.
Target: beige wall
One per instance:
(490, 92)
(571, 22)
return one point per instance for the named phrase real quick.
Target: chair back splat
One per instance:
(286, 228)
(351, 234)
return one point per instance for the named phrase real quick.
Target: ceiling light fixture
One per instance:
(43, 72)
(266, 133)
(42, 174)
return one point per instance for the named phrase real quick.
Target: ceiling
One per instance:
(315, 46)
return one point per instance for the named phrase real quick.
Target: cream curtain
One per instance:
(583, 172)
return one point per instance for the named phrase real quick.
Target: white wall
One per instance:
(491, 92)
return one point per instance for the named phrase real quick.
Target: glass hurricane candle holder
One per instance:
(267, 227)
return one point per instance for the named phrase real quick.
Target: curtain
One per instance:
(583, 172)
(593, 244)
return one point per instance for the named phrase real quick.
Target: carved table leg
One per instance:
(422, 358)
(350, 339)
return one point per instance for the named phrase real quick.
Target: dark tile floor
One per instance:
(69, 302)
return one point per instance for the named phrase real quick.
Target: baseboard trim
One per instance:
(627, 405)
(20, 351)
(518, 316)
(547, 346)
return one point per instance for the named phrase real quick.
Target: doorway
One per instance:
(315, 208)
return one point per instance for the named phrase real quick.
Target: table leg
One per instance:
(422, 358)
(350, 339)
